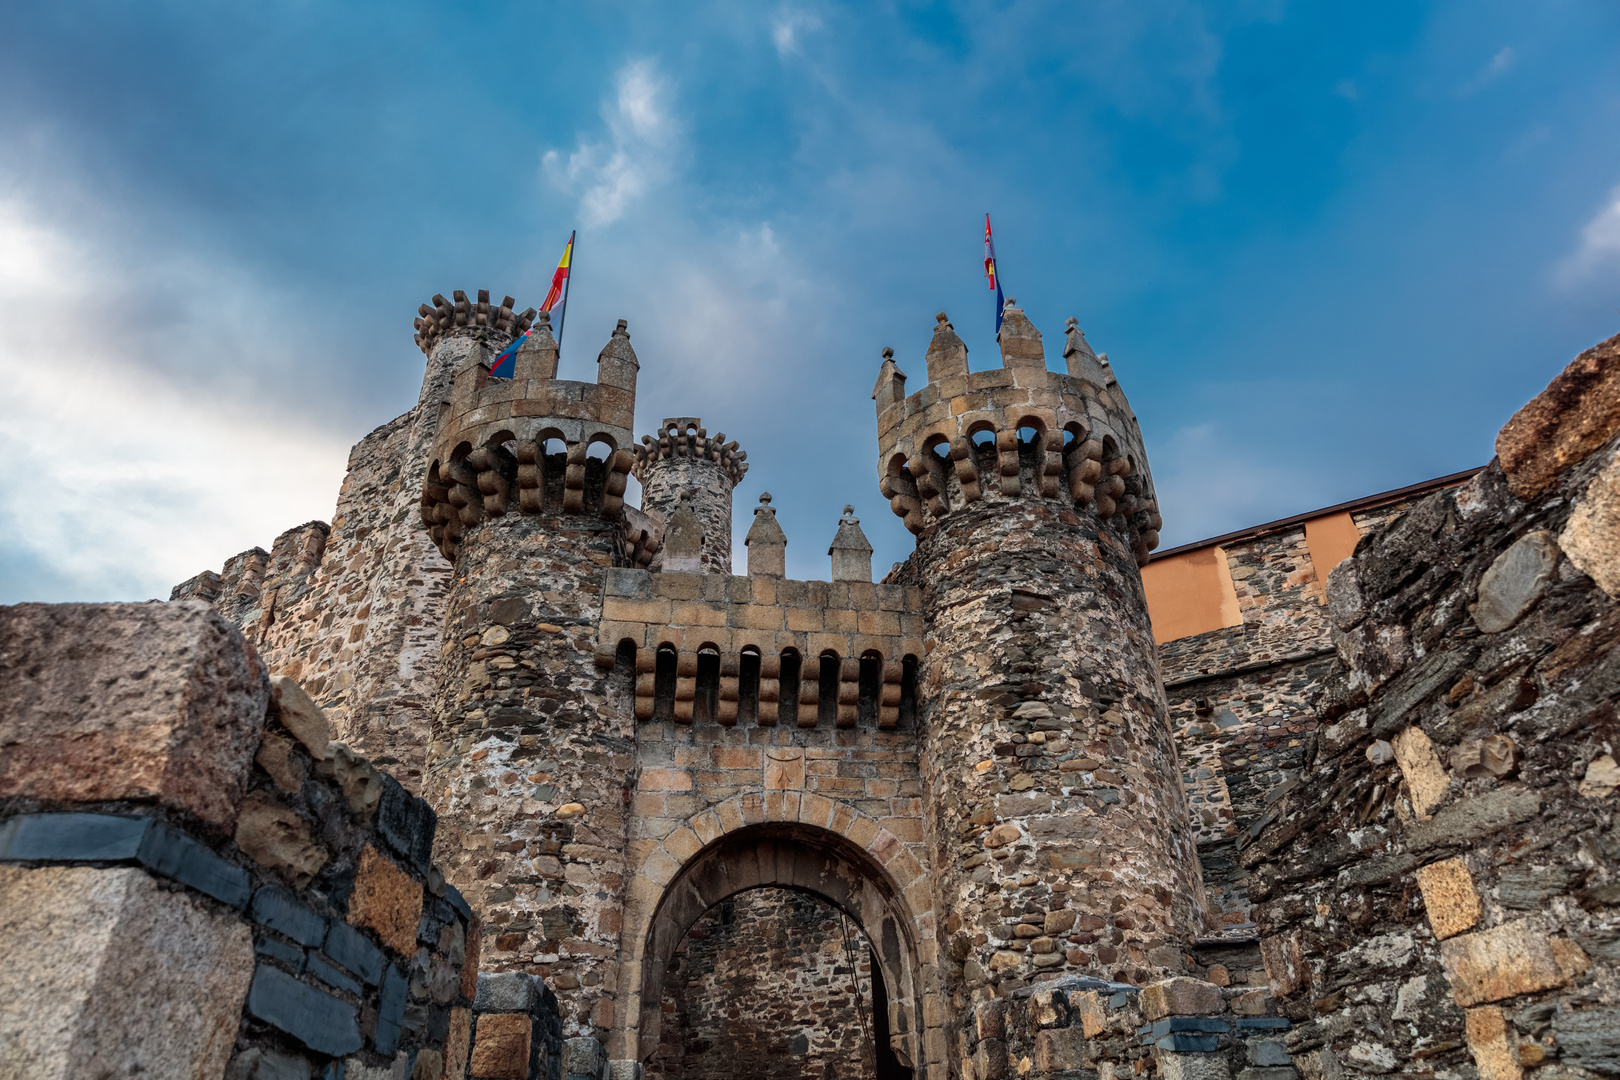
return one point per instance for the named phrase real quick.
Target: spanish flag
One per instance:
(990, 273)
(505, 365)
(559, 280)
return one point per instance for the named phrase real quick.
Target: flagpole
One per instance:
(568, 283)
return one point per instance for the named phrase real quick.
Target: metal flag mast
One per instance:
(568, 283)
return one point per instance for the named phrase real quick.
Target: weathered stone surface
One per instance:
(1577, 413)
(276, 757)
(149, 702)
(387, 900)
(1449, 897)
(429, 1065)
(1587, 1037)
(1502, 962)
(1493, 1043)
(1181, 997)
(108, 973)
(1494, 755)
(1515, 581)
(459, 1042)
(301, 716)
(1591, 537)
(1426, 779)
(1173, 1066)
(502, 1048)
(275, 837)
(258, 1064)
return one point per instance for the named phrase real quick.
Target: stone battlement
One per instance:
(1016, 431)
(686, 437)
(492, 442)
(463, 317)
(763, 650)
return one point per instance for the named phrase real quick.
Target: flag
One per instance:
(560, 278)
(505, 365)
(990, 274)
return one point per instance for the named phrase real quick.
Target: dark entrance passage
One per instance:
(774, 984)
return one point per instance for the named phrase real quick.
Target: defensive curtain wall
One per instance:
(976, 760)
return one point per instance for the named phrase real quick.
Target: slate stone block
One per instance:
(1189, 1023)
(354, 951)
(407, 825)
(390, 1011)
(1200, 1044)
(320, 1021)
(1269, 1052)
(114, 838)
(329, 974)
(290, 956)
(260, 1064)
(275, 908)
(1263, 1023)
(436, 915)
(173, 854)
(72, 837)
(457, 901)
(506, 992)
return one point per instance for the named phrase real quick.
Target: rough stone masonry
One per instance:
(1368, 836)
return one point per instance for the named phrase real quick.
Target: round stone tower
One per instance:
(684, 463)
(1056, 819)
(528, 772)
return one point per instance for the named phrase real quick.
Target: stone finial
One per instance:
(891, 382)
(537, 356)
(766, 542)
(947, 353)
(851, 552)
(1077, 351)
(1020, 341)
(617, 364)
(683, 540)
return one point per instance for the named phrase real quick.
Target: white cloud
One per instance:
(118, 481)
(787, 27)
(636, 156)
(1599, 248)
(1499, 65)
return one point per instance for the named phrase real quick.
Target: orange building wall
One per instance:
(1190, 593)
(1330, 540)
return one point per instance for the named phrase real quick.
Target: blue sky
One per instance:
(1328, 248)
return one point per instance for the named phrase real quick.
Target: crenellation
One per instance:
(967, 437)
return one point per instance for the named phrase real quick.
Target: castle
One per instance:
(1317, 826)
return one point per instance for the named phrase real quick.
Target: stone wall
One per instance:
(1240, 698)
(195, 881)
(1439, 895)
(768, 987)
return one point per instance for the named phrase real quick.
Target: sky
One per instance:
(1328, 248)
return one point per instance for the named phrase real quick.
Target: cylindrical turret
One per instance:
(528, 773)
(1057, 822)
(684, 462)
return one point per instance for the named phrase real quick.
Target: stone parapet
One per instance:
(685, 464)
(464, 317)
(195, 880)
(491, 456)
(1017, 431)
(799, 653)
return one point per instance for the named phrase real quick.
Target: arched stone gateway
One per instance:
(782, 851)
